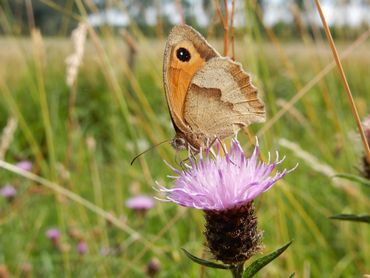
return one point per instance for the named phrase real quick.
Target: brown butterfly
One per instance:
(208, 96)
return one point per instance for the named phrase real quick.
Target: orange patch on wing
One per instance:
(180, 75)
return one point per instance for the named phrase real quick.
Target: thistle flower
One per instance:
(224, 182)
(365, 162)
(53, 234)
(224, 187)
(8, 192)
(82, 247)
(153, 267)
(366, 125)
(140, 203)
(25, 165)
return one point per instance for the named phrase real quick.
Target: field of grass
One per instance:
(85, 146)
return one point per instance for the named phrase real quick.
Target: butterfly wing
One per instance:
(221, 99)
(185, 53)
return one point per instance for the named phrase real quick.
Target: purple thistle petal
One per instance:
(223, 181)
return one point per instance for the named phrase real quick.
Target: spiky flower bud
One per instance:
(153, 267)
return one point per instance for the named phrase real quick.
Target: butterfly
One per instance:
(208, 96)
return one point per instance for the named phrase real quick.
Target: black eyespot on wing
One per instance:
(183, 54)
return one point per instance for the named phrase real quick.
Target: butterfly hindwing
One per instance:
(221, 99)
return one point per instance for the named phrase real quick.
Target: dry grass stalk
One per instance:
(30, 16)
(74, 60)
(132, 49)
(180, 11)
(313, 162)
(7, 136)
(301, 93)
(343, 79)
(38, 48)
(225, 23)
(232, 30)
(295, 113)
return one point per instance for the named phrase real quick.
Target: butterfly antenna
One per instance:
(147, 150)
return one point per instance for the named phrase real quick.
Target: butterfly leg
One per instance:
(192, 152)
(218, 140)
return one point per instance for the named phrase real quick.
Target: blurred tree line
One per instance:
(22, 14)
(55, 17)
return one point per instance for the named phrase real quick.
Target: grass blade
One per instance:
(352, 217)
(354, 178)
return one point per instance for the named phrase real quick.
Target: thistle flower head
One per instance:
(366, 125)
(140, 203)
(8, 191)
(217, 182)
(53, 234)
(82, 247)
(25, 165)
(365, 161)
(153, 267)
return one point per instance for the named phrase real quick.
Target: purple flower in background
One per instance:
(140, 203)
(8, 192)
(219, 182)
(25, 165)
(53, 234)
(365, 162)
(153, 267)
(82, 247)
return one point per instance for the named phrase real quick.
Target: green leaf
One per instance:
(292, 275)
(354, 178)
(258, 264)
(205, 262)
(352, 217)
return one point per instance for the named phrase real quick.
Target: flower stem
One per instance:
(238, 270)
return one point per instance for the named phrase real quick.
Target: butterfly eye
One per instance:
(183, 54)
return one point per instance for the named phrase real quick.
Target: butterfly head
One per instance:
(189, 141)
(179, 143)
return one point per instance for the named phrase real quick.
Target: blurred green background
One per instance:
(82, 137)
